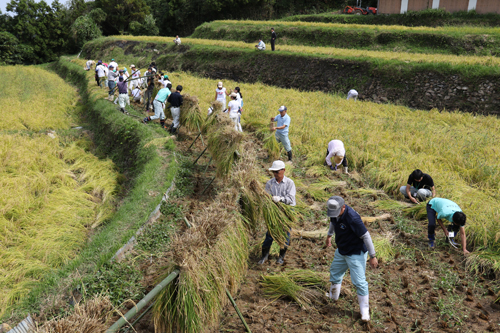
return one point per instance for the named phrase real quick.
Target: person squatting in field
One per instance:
(282, 190)
(336, 151)
(419, 186)
(261, 46)
(353, 244)
(89, 64)
(282, 127)
(175, 100)
(352, 94)
(446, 209)
(234, 112)
(158, 105)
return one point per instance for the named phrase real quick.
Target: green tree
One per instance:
(39, 26)
(120, 13)
(148, 28)
(83, 30)
(11, 52)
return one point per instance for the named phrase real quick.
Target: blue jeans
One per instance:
(269, 240)
(111, 86)
(356, 264)
(283, 138)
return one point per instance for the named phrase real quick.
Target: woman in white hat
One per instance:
(220, 94)
(234, 112)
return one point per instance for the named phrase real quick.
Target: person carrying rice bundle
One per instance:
(283, 124)
(282, 189)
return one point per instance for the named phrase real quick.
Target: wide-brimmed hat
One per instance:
(277, 165)
(334, 206)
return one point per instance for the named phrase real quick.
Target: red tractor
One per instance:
(358, 10)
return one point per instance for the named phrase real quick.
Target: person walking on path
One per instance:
(234, 112)
(122, 94)
(160, 99)
(446, 209)
(220, 94)
(353, 244)
(336, 151)
(273, 39)
(261, 46)
(282, 189)
(112, 76)
(175, 100)
(239, 98)
(283, 125)
(419, 186)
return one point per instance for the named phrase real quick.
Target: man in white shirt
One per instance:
(114, 64)
(352, 94)
(261, 46)
(136, 95)
(135, 81)
(89, 64)
(177, 40)
(336, 151)
(165, 81)
(101, 72)
(234, 109)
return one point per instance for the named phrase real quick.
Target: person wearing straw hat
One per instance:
(283, 124)
(282, 189)
(220, 94)
(336, 151)
(419, 186)
(446, 209)
(353, 244)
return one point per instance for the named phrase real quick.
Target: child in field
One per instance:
(220, 94)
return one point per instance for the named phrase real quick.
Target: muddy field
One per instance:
(418, 290)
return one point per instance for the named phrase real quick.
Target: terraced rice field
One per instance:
(53, 191)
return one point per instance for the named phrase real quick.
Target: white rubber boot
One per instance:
(364, 307)
(345, 170)
(334, 292)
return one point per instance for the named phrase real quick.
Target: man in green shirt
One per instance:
(446, 209)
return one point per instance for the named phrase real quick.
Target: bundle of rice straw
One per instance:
(191, 116)
(223, 142)
(256, 204)
(212, 258)
(91, 317)
(217, 109)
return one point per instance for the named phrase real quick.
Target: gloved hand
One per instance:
(333, 167)
(276, 198)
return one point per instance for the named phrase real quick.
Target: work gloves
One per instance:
(277, 198)
(333, 167)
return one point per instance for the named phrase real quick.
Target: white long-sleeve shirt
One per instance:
(335, 148)
(285, 189)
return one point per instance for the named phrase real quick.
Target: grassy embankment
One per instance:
(445, 40)
(428, 18)
(54, 191)
(386, 143)
(149, 172)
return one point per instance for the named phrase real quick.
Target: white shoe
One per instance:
(345, 171)
(364, 308)
(334, 292)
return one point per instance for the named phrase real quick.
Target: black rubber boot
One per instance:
(289, 155)
(281, 258)
(265, 255)
(145, 120)
(171, 128)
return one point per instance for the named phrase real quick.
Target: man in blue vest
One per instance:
(353, 245)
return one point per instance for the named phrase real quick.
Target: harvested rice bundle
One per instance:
(191, 116)
(223, 141)
(307, 278)
(282, 286)
(93, 316)
(272, 146)
(211, 119)
(279, 218)
(213, 259)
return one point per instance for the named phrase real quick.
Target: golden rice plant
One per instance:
(384, 247)
(223, 142)
(212, 258)
(386, 143)
(350, 26)
(338, 52)
(51, 196)
(191, 115)
(32, 98)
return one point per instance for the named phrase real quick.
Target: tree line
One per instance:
(34, 32)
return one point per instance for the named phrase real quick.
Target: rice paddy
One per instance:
(53, 190)
(446, 59)
(385, 142)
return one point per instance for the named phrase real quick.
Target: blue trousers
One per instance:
(357, 266)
